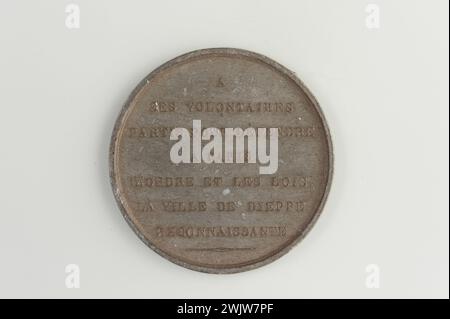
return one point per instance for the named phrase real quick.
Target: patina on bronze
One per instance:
(220, 217)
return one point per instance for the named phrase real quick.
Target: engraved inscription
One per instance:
(164, 131)
(190, 232)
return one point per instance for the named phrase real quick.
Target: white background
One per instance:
(384, 93)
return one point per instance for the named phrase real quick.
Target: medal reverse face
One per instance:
(221, 160)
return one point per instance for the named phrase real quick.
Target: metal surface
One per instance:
(220, 217)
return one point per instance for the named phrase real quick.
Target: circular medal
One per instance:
(221, 160)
